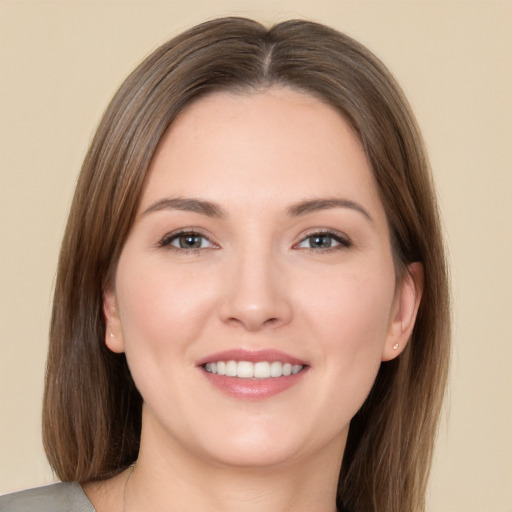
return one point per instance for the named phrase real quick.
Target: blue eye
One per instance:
(186, 240)
(324, 241)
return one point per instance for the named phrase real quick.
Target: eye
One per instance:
(324, 241)
(187, 240)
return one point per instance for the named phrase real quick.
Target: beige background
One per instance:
(60, 62)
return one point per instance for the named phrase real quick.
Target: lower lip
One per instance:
(253, 389)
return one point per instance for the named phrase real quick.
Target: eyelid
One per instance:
(343, 240)
(165, 241)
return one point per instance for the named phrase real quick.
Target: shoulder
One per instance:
(61, 497)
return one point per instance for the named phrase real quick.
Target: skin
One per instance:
(257, 281)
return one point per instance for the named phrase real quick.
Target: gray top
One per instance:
(62, 497)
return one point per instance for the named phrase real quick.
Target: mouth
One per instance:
(253, 374)
(250, 370)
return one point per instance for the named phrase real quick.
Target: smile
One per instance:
(253, 374)
(250, 370)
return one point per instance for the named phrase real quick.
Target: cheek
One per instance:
(162, 311)
(352, 309)
(351, 322)
(154, 297)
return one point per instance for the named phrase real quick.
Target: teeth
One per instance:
(248, 370)
(276, 369)
(231, 369)
(296, 368)
(245, 370)
(262, 370)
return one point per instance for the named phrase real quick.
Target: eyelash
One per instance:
(168, 239)
(342, 240)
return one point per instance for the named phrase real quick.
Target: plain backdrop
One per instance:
(61, 61)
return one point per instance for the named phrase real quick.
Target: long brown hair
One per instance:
(92, 410)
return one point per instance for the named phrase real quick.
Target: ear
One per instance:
(113, 332)
(405, 308)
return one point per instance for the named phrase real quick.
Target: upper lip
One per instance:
(252, 356)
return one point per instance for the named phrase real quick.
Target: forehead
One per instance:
(260, 146)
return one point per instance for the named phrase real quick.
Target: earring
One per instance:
(112, 334)
(394, 346)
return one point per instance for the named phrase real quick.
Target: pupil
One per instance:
(321, 241)
(190, 241)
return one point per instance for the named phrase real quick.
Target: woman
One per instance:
(251, 308)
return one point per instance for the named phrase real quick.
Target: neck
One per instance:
(174, 479)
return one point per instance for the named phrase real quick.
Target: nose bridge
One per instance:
(256, 295)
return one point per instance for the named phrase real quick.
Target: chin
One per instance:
(268, 447)
(254, 457)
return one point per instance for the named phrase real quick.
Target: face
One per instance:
(255, 296)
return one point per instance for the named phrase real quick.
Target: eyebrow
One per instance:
(211, 209)
(189, 204)
(314, 205)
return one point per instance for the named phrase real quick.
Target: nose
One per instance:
(256, 295)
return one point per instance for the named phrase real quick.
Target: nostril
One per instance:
(252, 322)
(255, 303)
